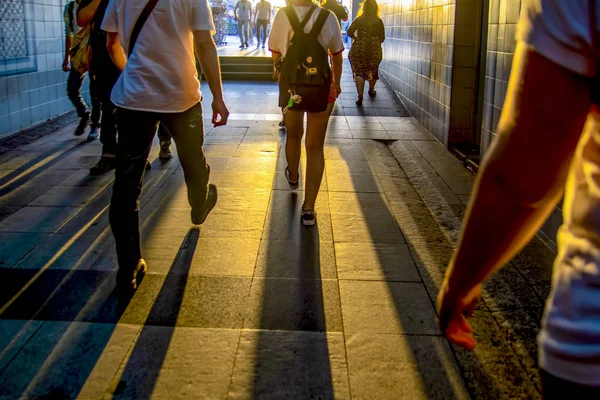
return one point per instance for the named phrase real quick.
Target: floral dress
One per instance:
(366, 53)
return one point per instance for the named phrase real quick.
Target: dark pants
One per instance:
(163, 133)
(264, 24)
(74, 82)
(101, 84)
(557, 389)
(137, 130)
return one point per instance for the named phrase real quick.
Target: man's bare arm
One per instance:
(521, 180)
(206, 51)
(116, 51)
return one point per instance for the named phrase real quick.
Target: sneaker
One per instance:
(104, 165)
(282, 124)
(372, 92)
(292, 182)
(263, 45)
(94, 134)
(242, 46)
(83, 123)
(165, 150)
(129, 281)
(246, 44)
(309, 217)
(200, 215)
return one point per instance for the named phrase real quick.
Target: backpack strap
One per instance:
(140, 23)
(295, 22)
(595, 43)
(320, 22)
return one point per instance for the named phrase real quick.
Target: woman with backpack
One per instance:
(307, 37)
(368, 33)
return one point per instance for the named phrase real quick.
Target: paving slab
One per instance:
(290, 365)
(60, 358)
(14, 334)
(38, 219)
(14, 246)
(293, 259)
(379, 262)
(387, 308)
(308, 305)
(177, 363)
(403, 367)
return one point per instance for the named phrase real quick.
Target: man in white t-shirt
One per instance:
(242, 13)
(159, 84)
(547, 135)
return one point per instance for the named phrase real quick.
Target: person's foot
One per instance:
(292, 182)
(148, 165)
(94, 134)
(165, 150)
(372, 92)
(83, 123)
(200, 215)
(257, 45)
(359, 101)
(103, 166)
(282, 124)
(309, 217)
(242, 46)
(129, 281)
(247, 45)
(263, 45)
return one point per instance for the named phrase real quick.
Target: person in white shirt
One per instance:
(330, 37)
(242, 13)
(159, 84)
(548, 137)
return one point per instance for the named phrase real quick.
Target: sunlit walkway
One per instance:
(251, 304)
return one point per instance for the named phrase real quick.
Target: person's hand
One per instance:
(65, 65)
(453, 313)
(220, 113)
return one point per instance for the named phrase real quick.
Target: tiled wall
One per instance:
(418, 58)
(502, 28)
(32, 83)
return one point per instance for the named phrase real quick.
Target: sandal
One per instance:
(292, 182)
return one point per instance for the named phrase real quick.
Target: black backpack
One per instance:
(305, 71)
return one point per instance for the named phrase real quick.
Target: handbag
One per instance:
(81, 50)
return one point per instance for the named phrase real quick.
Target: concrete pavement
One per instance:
(251, 304)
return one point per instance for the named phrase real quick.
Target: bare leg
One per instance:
(294, 122)
(360, 85)
(372, 84)
(315, 163)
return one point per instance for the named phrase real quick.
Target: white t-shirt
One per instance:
(570, 337)
(282, 31)
(244, 10)
(160, 75)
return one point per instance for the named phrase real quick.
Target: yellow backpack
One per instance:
(81, 49)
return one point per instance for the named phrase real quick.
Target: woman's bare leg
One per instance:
(315, 162)
(294, 122)
(372, 84)
(360, 85)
